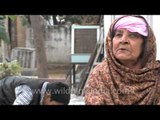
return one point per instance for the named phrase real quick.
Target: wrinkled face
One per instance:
(127, 46)
(47, 100)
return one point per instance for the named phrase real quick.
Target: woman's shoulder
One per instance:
(102, 65)
(101, 68)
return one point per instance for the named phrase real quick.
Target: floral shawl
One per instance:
(111, 83)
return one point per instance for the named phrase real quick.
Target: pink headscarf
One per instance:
(133, 24)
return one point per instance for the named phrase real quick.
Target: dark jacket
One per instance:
(8, 85)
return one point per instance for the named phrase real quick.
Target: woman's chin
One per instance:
(122, 57)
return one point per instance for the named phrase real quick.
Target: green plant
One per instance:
(10, 68)
(3, 34)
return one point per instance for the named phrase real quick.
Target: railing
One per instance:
(95, 58)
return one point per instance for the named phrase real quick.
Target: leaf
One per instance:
(12, 17)
(2, 17)
(10, 68)
(3, 34)
(24, 21)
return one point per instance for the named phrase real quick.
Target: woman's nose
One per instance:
(124, 40)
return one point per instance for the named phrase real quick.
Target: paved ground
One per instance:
(76, 100)
(58, 71)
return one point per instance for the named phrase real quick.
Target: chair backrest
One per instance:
(26, 57)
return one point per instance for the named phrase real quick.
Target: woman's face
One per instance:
(127, 46)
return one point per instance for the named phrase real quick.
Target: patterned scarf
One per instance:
(111, 83)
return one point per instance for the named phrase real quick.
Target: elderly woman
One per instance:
(130, 74)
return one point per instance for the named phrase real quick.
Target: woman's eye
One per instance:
(118, 34)
(134, 35)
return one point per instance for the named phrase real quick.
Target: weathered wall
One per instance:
(58, 44)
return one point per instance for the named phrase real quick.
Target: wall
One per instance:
(156, 29)
(58, 44)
